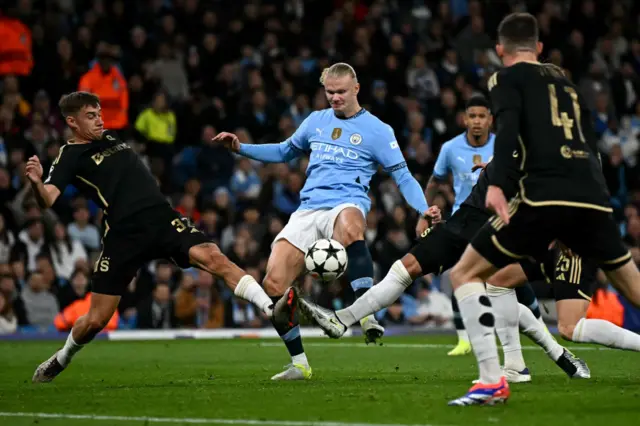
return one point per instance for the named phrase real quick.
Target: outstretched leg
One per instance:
(209, 258)
(101, 309)
(574, 326)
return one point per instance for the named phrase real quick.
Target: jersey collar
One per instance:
(466, 139)
(356, 115)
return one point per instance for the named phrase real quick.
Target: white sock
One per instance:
(250, 290)
(605, 333)
(541, 320)
(379, 296)
(68, 351)
(505, 308)
(300, 359)
(537, 332)
(478, 319)
(462, 335)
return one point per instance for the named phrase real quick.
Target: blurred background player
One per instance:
(462, 158)
(457, 158)
(346, 144)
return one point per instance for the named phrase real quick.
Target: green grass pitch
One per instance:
(408, 381)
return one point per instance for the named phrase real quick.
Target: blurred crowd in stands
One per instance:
(171, 74)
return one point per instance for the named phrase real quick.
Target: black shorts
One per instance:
(156, 233)
(441, 246)
(570, 277)
(590, 233)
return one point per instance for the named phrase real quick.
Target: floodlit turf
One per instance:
(404, 382)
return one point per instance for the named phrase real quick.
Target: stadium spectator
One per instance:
(16, 56)
(76, 289)
(214, 164)
(106, 80)
(245, 183)
(30, 242)
(7, 240)
(185, 303)
(156, 311)
(158, 128)
(8, 320)
(68, 316)
(65, 251)
(40, 305)
(210, 310)
(84, 231)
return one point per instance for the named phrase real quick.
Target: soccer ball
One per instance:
(326, 259)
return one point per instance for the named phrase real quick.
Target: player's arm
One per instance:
(61, 174)
(440, 174)
(409, 187)
(507, 105)
(45, 194)
(267, 153)
(270, 153)
(390, 157)
(282, 152)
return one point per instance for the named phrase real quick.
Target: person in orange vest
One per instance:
(15, 50)
(605, 305)
(64, 320)
(108, 83)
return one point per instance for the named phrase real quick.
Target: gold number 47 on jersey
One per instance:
(562, 119)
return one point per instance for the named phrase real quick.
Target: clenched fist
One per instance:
(33, 170)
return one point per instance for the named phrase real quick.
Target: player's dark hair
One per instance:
(477, 101)
(72, 103)
(518, 32)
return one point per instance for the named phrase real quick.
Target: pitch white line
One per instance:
(194, 420)
(419, 346)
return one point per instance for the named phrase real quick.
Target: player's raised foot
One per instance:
(372, 329)
(573, 366)
(485, 394)
(294, 372)
(48, 370)
(285, 308)
(462, 348)
(324, 318)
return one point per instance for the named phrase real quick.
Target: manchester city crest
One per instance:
(355, 139)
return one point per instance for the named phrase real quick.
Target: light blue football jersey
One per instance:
(458, 157)
(343, 156)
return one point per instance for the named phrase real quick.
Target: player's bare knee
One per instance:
(566, 330)
(210, 256)
(217, 259)
(351, 234)
(411, 264)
